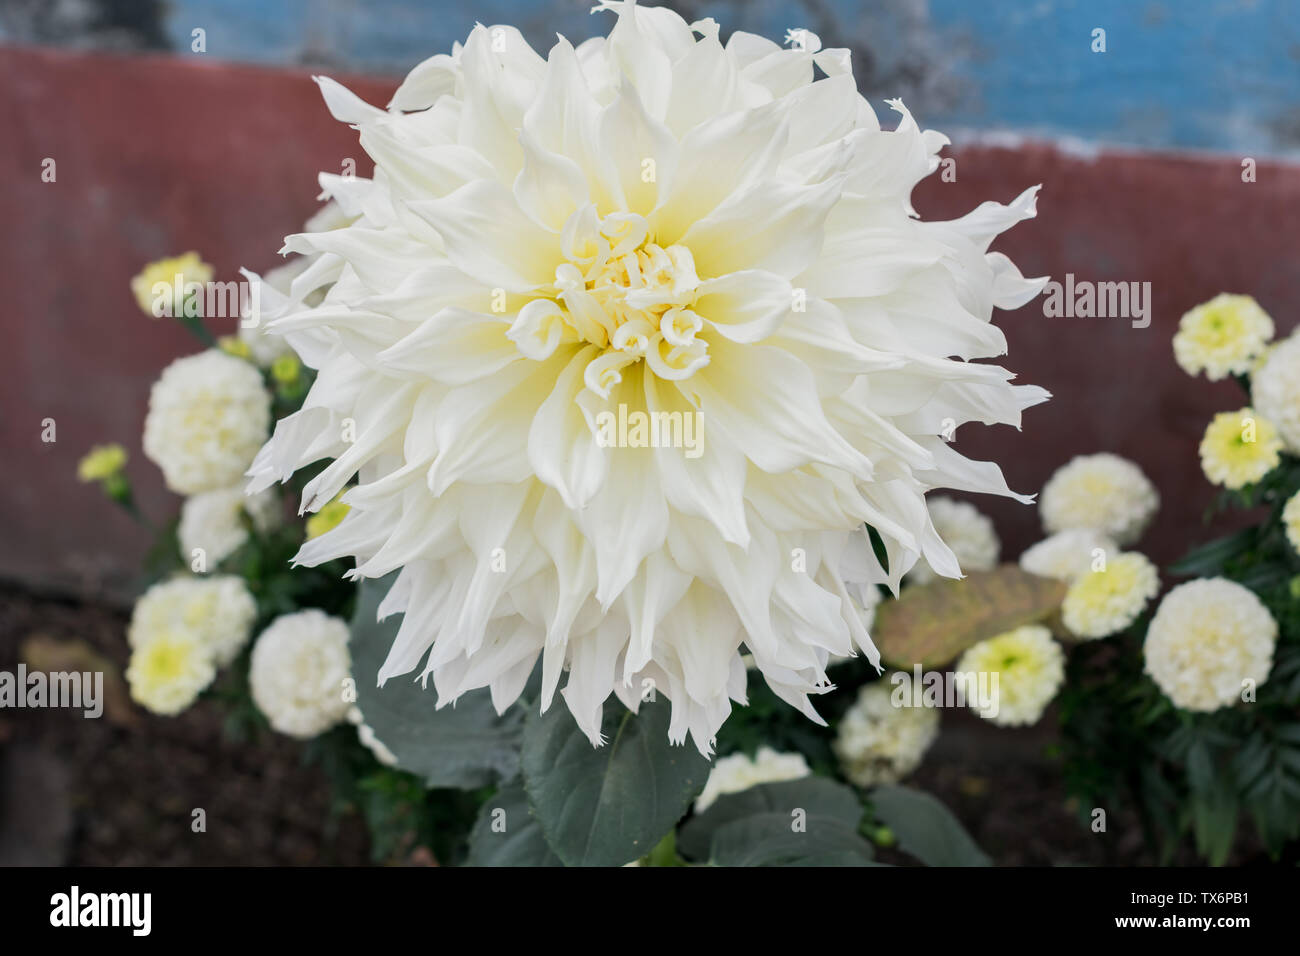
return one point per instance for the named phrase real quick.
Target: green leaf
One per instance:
(1210, 558)
(465, 745)
(816, 796)
(606, 806)
(778, 839)
(933, 623)
(1214, 823)
(925, 828)
(507, 834)
(1200, 767)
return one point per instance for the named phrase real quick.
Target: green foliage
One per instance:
(400, 813)
(473, 787)
(467, 745)
(1221, 780)
(507, 833)
(768, 721)
(606, 806)
(812, 821)
(925, 828)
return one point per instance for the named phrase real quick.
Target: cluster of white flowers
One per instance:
(1104, 601)
(208, 415)
(877, 742)
(181, 631)
(299, 670)
(967, 531)
(1209, 642)
(1275, 390)
(1030, 668)
(737, 772)
(218, 611)
(213, 521)
(1068, 554)
(1103, 493)
(652, 222)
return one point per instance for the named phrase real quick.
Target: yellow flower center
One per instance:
(624, 293)
(165, 661)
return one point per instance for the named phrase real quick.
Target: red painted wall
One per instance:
(1188, 225)
(156, 156)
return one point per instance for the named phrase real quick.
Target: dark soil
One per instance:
(1006, 789)
(123, 789)
(97, 792)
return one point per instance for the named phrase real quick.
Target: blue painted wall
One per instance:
(1218, 75)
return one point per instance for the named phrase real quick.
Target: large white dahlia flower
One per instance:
(652, 223)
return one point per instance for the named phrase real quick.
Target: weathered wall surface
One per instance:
(157, 155)
(1200, 74)
(153, 157)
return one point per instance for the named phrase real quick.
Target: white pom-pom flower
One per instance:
(555, 249)
(213, 521)
(878, 742)
(967, 531)
(1068, 554)
(737, 772)
(208, 415)
(298, 671)
(1101, 492)
(217, 611)
(1275, 389)
(1104, 601)
(1030, 669)
(1210, 641)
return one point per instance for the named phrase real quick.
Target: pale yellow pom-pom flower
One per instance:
(167, 673)
(1030, 668)
(101, 463)
(174, 273)
(329, 517)
(1222, 337)
(1105, 601)
(1239, 448)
